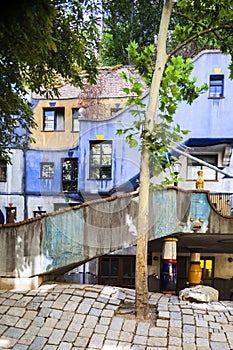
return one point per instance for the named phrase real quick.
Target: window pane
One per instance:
(95, 148)
(106, 148)
(114, 267)
(94, 173)
(100, 160)
(216, 85)
(3, 168)
(95, 160)
(47, 170)
(70, 175)
(49, 117)
(54, 119)
(60, 120)
(193, 167)
(75, 119)
(105, 172)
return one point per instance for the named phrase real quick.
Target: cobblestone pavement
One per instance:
(77, 317)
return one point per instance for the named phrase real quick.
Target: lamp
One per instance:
(176, 170)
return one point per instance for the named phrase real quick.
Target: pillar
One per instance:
(195, 270)
(168, 269)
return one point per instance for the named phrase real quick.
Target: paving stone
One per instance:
(38, 343)
(105, 320)
(9, 320)
(56, 336)
(202, 332)
(129, 325)
(111, 334)
(62, 324)
(81, 342)
(175, 331)
(111, 344)
(69, 337)
(26, 339)
(219, 346)
(162, 323)
(96, 341)
(65, 346)
(13, 332)
(23, 323)
(20, 347)
(50, 322)
(116, 323)
(218, 336)
(101, 329)
(188, 319)
(187, 329)
(158, 342)
(30, 315)
(158, 332)
(107, 313)
(45, 332)
(38, 321)
(90, 321)
(140, 340)
(142, 328)
(174, 341)
(126, 336)
(85, 332)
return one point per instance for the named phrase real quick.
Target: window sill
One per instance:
(99, 179)
(52, 130)
(216, 97)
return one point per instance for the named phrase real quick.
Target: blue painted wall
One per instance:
(34, 183)
(209, 117)
(125, 160)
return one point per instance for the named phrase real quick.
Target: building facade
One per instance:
(78, 156)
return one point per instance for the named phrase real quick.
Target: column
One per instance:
(168, 269)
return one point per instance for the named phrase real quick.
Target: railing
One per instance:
(223, 202)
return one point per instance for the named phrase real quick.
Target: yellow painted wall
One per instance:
(94, 109)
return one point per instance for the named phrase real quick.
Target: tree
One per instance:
(202, 18)
(42, 42)
(126, 21)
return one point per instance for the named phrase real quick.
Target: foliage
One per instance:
(125, 21)
(40, 43)
(129, 20)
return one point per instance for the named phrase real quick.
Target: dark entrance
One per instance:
(117, 270)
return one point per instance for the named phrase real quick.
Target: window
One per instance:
(53, 119)
(70, 175)
(216, 85)
(10, 215)
(207, 266)
(193, 167)
(47, 170)
(75, 119)
(117, 271)
(101, 159)
(3, 169)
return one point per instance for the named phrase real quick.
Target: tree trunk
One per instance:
(142, 306)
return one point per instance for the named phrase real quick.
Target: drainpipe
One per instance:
(24, 186)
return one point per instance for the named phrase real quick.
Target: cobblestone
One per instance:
(79, 317)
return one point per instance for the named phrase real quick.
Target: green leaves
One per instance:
(40, 43)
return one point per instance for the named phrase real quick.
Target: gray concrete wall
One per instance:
(59, 241)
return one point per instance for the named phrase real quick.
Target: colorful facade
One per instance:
(77, 155)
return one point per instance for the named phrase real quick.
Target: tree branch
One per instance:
(195, 36)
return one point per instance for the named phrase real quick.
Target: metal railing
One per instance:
(223, 202)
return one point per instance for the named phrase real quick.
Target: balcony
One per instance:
(223, 203)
